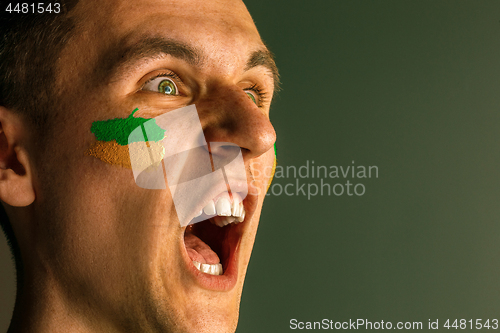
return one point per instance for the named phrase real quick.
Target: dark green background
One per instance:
(413, 88)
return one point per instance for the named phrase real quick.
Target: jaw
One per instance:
(225, 246)
(197, 301)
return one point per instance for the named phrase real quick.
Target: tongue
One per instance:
(199, 251)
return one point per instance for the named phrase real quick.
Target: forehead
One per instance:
(126, 15)
(221, 30)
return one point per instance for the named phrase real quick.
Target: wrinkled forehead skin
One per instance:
(218, 29)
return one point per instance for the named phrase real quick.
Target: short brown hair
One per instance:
(30, 44)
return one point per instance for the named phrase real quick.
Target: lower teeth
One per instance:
(215, 269)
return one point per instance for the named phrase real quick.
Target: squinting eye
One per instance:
(161, 85)
(251, 96)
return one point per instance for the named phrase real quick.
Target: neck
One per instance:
(42, 307)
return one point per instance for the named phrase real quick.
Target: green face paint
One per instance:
(274, 168)
(119, 129)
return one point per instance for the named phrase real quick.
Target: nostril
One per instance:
(223, 153)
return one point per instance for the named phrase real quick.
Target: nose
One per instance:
(233, 117)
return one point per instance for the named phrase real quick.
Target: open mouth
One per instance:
(211, 243)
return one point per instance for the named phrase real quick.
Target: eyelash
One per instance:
(170, 74)
(262, 96)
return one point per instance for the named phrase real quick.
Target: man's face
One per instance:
(116, 250)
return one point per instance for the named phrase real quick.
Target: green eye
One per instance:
(162, 84)
(252, 97)
(167, 87)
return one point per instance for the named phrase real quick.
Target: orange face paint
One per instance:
(112, 153)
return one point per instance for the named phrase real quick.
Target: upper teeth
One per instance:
(227, 211)
(209, 209)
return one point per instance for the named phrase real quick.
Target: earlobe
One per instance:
(16, 186)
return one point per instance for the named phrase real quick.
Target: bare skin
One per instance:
(100, 253)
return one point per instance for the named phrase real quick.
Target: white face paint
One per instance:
(198, 174)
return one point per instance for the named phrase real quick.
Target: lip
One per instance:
(228, 280)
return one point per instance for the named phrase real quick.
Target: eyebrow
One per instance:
(117, 60)
(121, 59)
(265, 58)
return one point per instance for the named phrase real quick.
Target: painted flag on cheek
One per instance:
(113, 142)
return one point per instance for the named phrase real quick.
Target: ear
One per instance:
(16, 186)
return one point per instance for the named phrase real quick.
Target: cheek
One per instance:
(273, 170)
(113, 226)
(263, 169)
